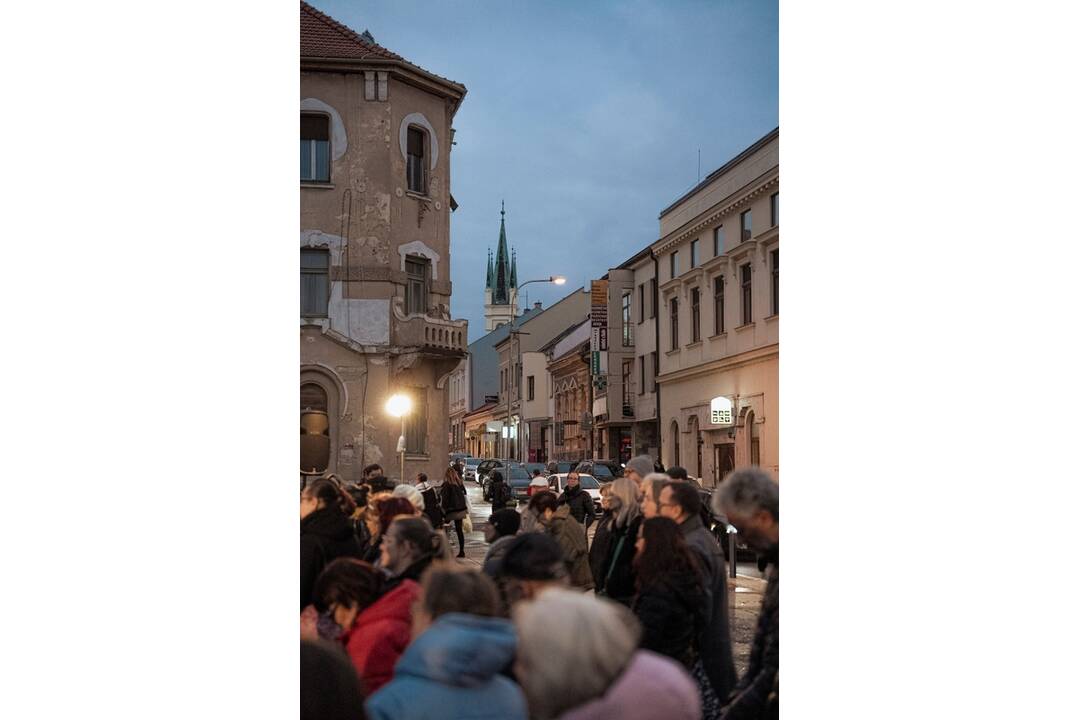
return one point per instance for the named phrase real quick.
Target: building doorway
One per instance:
(723, 461)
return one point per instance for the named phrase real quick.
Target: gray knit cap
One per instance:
(642, 465)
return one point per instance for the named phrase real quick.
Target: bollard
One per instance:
(732, 552)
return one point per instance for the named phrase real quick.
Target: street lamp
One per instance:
(557, 280)
(399, 405)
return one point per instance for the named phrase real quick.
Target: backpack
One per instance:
(454, 499)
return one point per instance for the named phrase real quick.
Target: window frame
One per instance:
(718, 240)
(315, 272)
(746, 224)
(694, 254)
(416, 422)
(627, 374)
(422, 283)
(641, 375)
(673, 262)
(655, 368)
(673, 319)
(695, 314)
(531, 390)
(314, 179)
(774, 260)
(718, 305)
(774, 209)
(746, 285)
(641, 303)
(654, 299)
(627, 320)
(425, 144)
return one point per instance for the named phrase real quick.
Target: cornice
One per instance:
(728, 363)
(721, 209)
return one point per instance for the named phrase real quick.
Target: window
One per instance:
(774, 209)
(627, 389)
(313, 397)
(314, 282)
(674, 306)
(415, 158)
(655, 368)
(532, 387)
(695, 314)
(718, 305)
(416, 423)
(641, 375)
(693, 253)
(746, 225)
(775, 281)
(675, 264)
(314, 148)
(627, 323)
(641, 303)
(416, 285)
(718, 241)
(652, 297)
(747, 306)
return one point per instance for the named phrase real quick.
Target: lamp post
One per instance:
(399, 405)
(557, 280)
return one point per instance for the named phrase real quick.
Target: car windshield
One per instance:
(602, 471)
(472, 462)
(520, 473)
(588, 482)
(534, 466)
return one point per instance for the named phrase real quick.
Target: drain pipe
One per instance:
(656, 334)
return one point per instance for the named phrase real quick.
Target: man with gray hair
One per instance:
(638, 468)
(751, 501)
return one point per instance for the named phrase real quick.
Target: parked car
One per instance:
(542, 467)
(562, 467)
(557, 483)
(471, 464)
(483, 474)
(519, 482)
(603, 470)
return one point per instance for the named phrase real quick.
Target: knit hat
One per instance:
(411, 494)
(532, 556)
(642, 465)
(506, 521)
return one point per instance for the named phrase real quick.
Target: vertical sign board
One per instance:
(598, 313)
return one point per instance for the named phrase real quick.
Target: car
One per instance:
(602, 470)
(530, 467)
(471, 464)
(519, 482)
(557, 483)
(483, 474)
(562, 467)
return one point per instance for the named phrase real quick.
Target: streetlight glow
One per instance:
(399, 405)
(558, 279)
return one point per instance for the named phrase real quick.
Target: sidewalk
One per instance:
(745, 592)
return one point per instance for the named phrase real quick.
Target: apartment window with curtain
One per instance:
(695, 314)
(774, 209)
(641, 375)
(627, 323)
(718, 304)
(747, 305)
(417, 271)
(775, 257)
(416, 423)
(314, 148)
(414, 169)
(718, 241)
(674, 307)
(314, 282)
(674, 264)
(627, 388)
(693, 253)
(746, 224)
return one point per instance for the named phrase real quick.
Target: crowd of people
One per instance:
(633, 625)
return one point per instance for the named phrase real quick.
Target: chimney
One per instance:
(537, 305)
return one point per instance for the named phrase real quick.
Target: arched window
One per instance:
(755, 441)
(313, 397)
(314, 147)
(674, 443)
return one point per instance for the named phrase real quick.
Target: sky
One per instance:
(585, 117)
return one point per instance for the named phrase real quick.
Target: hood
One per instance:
(394, 605)
(460, 650)
(650, 681)
(328, 522)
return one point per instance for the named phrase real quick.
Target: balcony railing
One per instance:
(436, 333)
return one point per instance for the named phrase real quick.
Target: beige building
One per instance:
(571, 397)
(375, 144)
(719, 318)
(645, 434)
(458, 388)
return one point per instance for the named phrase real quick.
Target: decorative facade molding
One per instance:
(719, 211)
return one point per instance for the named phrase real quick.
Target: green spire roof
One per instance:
(490, 273)
(513, 270)
(504, 276)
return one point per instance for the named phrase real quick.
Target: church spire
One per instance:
(513, 270)
(490, 273)
(502, 275)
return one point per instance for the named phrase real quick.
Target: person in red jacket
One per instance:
(374, 626)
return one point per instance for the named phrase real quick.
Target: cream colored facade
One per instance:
(373, 231)
(738, 359)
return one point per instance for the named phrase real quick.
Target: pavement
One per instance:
(746, 590)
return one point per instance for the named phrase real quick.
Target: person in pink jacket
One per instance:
(600, 673)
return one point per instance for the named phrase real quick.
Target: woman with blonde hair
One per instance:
(455, 505)
(616, 578)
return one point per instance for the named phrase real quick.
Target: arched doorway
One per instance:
(674, 444)
(695, 450)
(319, 391)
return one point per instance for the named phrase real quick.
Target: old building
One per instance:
(568, 357)
(376, 133)
(719, 315)
(645, 434)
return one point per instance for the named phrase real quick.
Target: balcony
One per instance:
(434, 333)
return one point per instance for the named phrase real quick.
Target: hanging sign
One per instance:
(721, 411)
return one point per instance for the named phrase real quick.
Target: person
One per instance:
(372, 471)
(455, 505)
(500, 492)
(601, 539)
(532, 563)
(651, 487)
(325, 532)
(616, 579)
(538, 482)
(432, 505)
(377, 518)
(369, 618)
(501, 529)
(638, 468)
(580, 502)
(459, 648)
(670, 595)
(410, 493)
(568, 533)
(329, 689)
(578, 659)
(410, 545)
(714, 670)
(750, 500)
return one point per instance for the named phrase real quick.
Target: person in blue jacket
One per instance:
(453, 666)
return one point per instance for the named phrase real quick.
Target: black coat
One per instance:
(452, 498)
(600, 547)
(325, 535)
(757, 695)
(501, 496)
(671, 611)
(581, 504)
(433, 508)
(714, 643)
(618, 578)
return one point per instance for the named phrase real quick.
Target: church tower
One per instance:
(500, 292)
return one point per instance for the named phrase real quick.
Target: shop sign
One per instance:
(721, 411)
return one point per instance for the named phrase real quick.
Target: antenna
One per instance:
(699, 164)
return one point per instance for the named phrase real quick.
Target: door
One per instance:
(723, 461)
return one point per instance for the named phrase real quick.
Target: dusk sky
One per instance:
(586, 117)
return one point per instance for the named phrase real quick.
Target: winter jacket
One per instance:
(495, 554)
(432, 505)
(619, 578)
(714, 643)
(600, 547)
(652, 686)
(452, 670)
(325, 535)
(380, 635)
(570, 535)
(501, 496)
(580, 503)
(454, 502)
(530, 522)
(757, 695)
(671, 614)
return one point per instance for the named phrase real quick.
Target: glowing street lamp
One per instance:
(400, 405)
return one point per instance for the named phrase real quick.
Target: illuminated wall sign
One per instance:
(721, 411)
